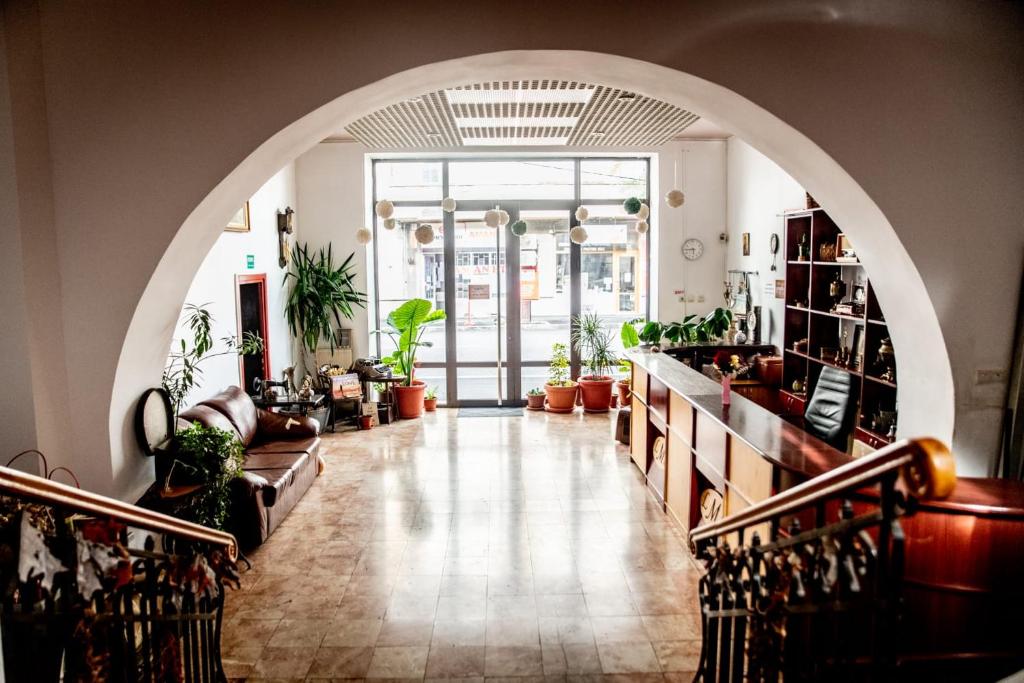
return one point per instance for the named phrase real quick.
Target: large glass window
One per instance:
(513, 296)
(493, 180)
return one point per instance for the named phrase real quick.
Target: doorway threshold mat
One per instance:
(514, 411)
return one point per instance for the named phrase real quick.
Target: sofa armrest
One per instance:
(255, 485)
(272, 426)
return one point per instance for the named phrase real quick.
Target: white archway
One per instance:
(927, 404)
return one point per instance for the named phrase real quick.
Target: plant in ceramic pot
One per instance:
(535, 399)
(593, 343)
(430, 400)
(560, 390)
(211, 458)
(405, 326)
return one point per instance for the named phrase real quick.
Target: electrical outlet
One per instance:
(990, 376)
(690, 298)
(700, 298)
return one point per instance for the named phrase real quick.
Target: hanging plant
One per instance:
(632, 206)
(519, 228)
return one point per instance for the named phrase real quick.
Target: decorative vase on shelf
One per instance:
(726, 389)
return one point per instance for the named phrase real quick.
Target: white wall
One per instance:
(758, 192)
(332, 205)
(214, 285)
(684, 287)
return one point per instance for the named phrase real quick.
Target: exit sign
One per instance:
(250, 261)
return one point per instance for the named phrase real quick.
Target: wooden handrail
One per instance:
(926, 464)
(53, 493)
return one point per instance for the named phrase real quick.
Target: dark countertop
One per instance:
(781, 442)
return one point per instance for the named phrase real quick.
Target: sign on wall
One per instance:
(477, 292)
(250, 261)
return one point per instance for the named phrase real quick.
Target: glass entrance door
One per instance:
(479, 311)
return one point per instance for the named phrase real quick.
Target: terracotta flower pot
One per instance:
(624, 392)
(560, 399)
(597, 393)
(535, 401)
(366, 421)
(410, 399)
(614, 402)
(430, 404)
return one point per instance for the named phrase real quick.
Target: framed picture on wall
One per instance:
(240, 221)
(746, 244)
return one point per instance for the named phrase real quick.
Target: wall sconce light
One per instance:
(285, 227)
(286, 220)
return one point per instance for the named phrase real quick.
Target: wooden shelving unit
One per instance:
(809, 316)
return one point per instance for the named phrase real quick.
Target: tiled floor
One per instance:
(470, 548)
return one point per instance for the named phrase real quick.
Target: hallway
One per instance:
(463, 548)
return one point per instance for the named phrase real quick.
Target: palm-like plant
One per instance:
(406, 325)
(321, 295)
(593, 343)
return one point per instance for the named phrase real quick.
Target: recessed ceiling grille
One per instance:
(528, 112)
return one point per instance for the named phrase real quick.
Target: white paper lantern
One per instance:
(578, 234)
(364, 236)
(582, 214)
(424, 234)
(642, 227)
(644, 212)
(389, 223)
(675, 198)
(448, 204)
(384, 208)
(503, 217)
(492, 218)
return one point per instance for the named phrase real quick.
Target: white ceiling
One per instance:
(527, 113)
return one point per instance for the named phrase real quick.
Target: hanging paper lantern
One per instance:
(519, 228)
(578, 234)
(364, 236)
(492, 218)
(582, 214)
(389, 223)
(632, 205)
(675, 198)
(384, 208)
(644, 212)
(642, 227)
(503, 217)
(448, 204)
(424, 234)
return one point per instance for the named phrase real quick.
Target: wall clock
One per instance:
(692, 249)
(773, 245)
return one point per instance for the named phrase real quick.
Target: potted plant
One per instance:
(406, 325)
(560, 391)
(535, 399)
(623, 385)
(430, 400)
(593, 343)
(366, 422)
(210, 458)
(321, 295)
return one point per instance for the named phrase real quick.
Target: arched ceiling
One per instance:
(523, 112)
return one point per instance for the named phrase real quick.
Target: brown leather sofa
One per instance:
(282, 459)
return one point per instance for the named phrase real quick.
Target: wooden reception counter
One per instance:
(964, 554)
(742, 452)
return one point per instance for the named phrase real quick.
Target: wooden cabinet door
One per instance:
(638, 435)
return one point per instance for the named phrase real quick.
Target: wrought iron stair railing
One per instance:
(818, 599)
(95, 589)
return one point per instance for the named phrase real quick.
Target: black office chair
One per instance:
(829, 413)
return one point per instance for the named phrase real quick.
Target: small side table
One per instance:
(392, 399)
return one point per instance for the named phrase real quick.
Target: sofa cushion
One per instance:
(283, 426)
(270, 482)
(208, 417)
(269, 460)
(236, 405)
(308, 445)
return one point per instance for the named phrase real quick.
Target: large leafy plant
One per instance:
(322, 293)
(406, 325)
(183, 371)
(211, 457)
(689, 331)
(593, 343)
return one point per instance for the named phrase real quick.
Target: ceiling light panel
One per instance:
(517, 141)
(520, 96)
(516, 121)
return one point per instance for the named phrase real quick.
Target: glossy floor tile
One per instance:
(470, 548)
